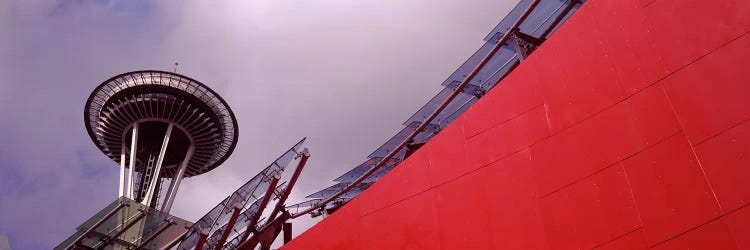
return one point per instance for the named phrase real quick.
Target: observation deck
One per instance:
(153, 99)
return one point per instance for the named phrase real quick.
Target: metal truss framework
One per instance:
(237, 218)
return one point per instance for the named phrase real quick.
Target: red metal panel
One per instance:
(447, 153)
(516, 94)
(739, 226)
(631, 241)
(591, 212)
(462, 212)
(670, 189)
(725, 160)
(479, 148)
(513, 204)
(710, 95)
(578, 79)
(608, 137)
(693, 28)
(628, 40)
(407, 179)
(338, 231)
(409, 224)
(507, 138)
(711, 236)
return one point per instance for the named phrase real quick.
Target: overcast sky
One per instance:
(345, 74)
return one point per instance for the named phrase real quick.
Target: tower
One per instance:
(159, 127)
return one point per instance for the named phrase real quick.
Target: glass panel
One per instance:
(338, 187)
(310, 203)
(392, 143)
(134, 222)
(360, 170)
(242, 221)
(537, 21)
(251, 191)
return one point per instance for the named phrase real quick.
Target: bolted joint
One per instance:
(304, 153)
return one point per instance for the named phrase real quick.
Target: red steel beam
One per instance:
(265, 234)
(287, 232)
(267, 197)
(228, 228)
(292, 181)
(201, 241)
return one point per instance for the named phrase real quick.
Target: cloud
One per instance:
(345, 74)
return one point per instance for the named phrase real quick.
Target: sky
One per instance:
(344, 74)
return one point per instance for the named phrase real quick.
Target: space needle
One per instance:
(160, 127)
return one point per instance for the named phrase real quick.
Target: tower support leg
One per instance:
(157, 171)
(172, 192)
(133, 151)
(121, 189)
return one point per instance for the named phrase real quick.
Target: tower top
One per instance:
(152, 98)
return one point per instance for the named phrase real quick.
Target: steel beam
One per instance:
(525, 44)
(201, 241)
(229, 227)
(121, 188)
(305, 154)
(159, 162)
(267, 234)
(262, 206)
(287, 232)
(133, 151)
(172, 192)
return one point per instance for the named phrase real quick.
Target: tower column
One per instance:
(121, 189)
(172, 192)
(133, 151)
(159, 162)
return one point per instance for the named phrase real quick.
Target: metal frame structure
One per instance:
(238, 217)
(125, 114)
(126, 224)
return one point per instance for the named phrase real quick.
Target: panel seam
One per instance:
(618, 237)
(610, 165)
(692, 149)
(701, 225)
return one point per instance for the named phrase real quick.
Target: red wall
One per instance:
(627, 129)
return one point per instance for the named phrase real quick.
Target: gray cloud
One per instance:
(345, 74)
